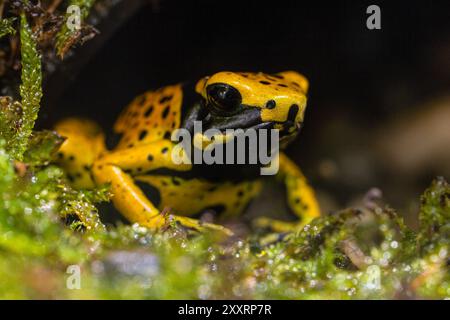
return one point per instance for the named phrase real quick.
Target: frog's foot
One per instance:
(278, 225)
(199, 225)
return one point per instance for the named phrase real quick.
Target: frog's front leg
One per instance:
(118, 167)
(300, 198)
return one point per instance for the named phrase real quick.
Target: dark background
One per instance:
(367, 86)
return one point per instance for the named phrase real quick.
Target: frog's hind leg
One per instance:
(117, 168)
(84, 142)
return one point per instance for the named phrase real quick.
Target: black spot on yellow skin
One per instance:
(149, 111)
(71, 158)
(150, 157)
(167, 135)
(164, 150)
(240, 193)
(142, 100)
(293, 110)
(165, 113)
(165, 99)
(270, 104)
(297, 200)
(264, 82)
(175, 181)
(60, 155)
(142, 134)
(87, 168)
(282, 85)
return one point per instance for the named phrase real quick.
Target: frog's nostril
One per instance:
(293, 110)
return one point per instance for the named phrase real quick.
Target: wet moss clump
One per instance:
(53, 243)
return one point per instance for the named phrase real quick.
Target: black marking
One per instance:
(164, 150)
(150, 157)
(278, 76)
(282, 85)
(149, 111)
(60, 155)
(141, 100)
(264, 82)
(150, 191)
(293, 110)
(165, 99)
(175, 181)
(87, 168)
(167, 135)
(271, 104)
(71, 158)
(142, 134)
(165, 113)
(240, 193)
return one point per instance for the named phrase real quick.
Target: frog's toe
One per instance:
(201, 226)
(277, 225)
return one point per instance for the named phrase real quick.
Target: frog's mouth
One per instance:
(228, 129)
(248, 118)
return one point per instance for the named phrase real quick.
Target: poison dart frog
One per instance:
(142, 175)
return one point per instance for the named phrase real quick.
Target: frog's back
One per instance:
(150, 117)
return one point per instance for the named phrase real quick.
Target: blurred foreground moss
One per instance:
(355, 253)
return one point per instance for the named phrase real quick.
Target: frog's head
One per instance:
(235, 100)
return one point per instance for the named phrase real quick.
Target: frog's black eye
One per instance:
(223, 97)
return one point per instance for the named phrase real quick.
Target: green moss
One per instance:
(66, 37)
(6, 27)
(17, 119)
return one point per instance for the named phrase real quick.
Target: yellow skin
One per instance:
(145, 148)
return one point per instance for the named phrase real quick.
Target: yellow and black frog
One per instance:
(143, 176)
